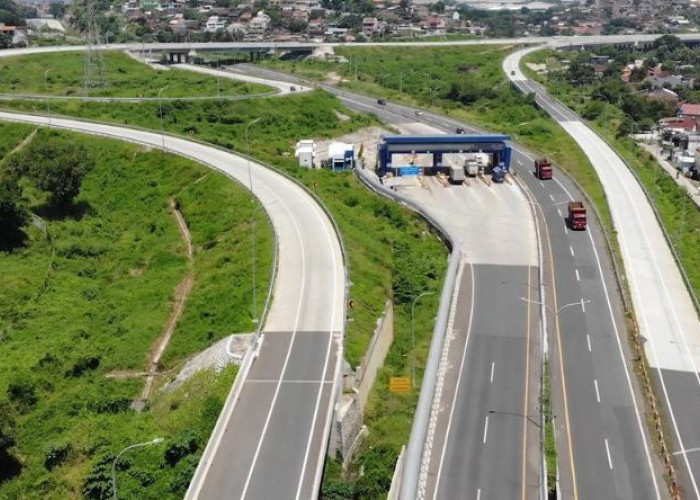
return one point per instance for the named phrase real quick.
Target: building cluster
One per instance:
(679, 137)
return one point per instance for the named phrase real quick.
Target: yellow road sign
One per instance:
(400, 384)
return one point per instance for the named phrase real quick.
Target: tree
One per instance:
(9, 465)
(5, 40)
(57, 167)
(57, 9)
(13, 214)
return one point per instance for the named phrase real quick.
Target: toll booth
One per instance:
(434, 147)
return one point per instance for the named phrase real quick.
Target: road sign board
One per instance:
(400, 384)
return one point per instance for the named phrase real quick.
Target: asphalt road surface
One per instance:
(271, 439)
(581, 271)
(665, 312)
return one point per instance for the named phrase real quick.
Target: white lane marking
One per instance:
(583, 305)
(520, 163)
(270, 381)
(459, 379)
(597, 392)
(643, 312)
(541, 184)
(486, 428)
(551, 197)
(325, 223)
(478, 494)
(566, 229)
(578, 276)
(607, 449)
(289, 350)
(588, 341)
(571, 249)
(624, 361)
(493, 365)
(559, 211)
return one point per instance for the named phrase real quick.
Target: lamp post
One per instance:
(581, 303)
(160, 109)
(46, 91)
(515, 414)
(252, 217)
(114, 463)
(413, 337)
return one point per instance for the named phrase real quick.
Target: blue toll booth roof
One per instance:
(444, 139)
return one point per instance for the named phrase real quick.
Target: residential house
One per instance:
(370, 26)
(687, 110)
(661, 78)
(215, 23)
(259, 24)
(435, 26)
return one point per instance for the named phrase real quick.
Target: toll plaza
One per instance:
(406, 155)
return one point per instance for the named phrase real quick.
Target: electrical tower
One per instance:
(94, 65)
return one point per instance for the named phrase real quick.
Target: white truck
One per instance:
(456, 174)
(472, 168)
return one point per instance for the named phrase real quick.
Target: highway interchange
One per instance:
(604, 447)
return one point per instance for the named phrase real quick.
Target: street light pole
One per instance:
(252, 220)
(114, 463)
(160, 108)
(46, 91)
(413, 337)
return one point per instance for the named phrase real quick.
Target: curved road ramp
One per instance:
(668, 320)
(271, 437)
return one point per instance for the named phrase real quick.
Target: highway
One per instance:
(288, 393)
(665, 312)
(598, 410)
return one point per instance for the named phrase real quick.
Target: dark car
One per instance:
(381, 102)
(460, 131)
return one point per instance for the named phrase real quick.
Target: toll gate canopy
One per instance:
(437, 145)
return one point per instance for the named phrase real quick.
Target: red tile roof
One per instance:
(690, 109)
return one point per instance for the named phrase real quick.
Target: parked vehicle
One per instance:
(381, 102)
(456, 174)
(577, 216)
(472, 168)
(543, 169)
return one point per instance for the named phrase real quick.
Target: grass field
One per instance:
(92, 293)
(11, 135)
(125, 77)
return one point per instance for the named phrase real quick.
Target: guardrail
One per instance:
(419, 430)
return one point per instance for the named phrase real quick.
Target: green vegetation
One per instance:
(614, 112)
(125, 77)
(87, 293)
(550, 444)
(11, 135)
(390, 249)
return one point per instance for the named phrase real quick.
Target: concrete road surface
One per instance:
(665, 312)
(271, 439)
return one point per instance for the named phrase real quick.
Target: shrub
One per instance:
(23, 395)
(82, 365)
(185, 445)
(56, 455)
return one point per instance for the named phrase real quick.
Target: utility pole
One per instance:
(94, 71)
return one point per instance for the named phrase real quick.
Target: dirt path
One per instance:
(19, 146)
(181, 293)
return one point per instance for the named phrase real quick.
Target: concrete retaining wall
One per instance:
(376, 353)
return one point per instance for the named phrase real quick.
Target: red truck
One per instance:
(577, 216)
(543, 169)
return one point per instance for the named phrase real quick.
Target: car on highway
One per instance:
(512, 72)
(381, 102)
(419, 113)
(460, 131)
